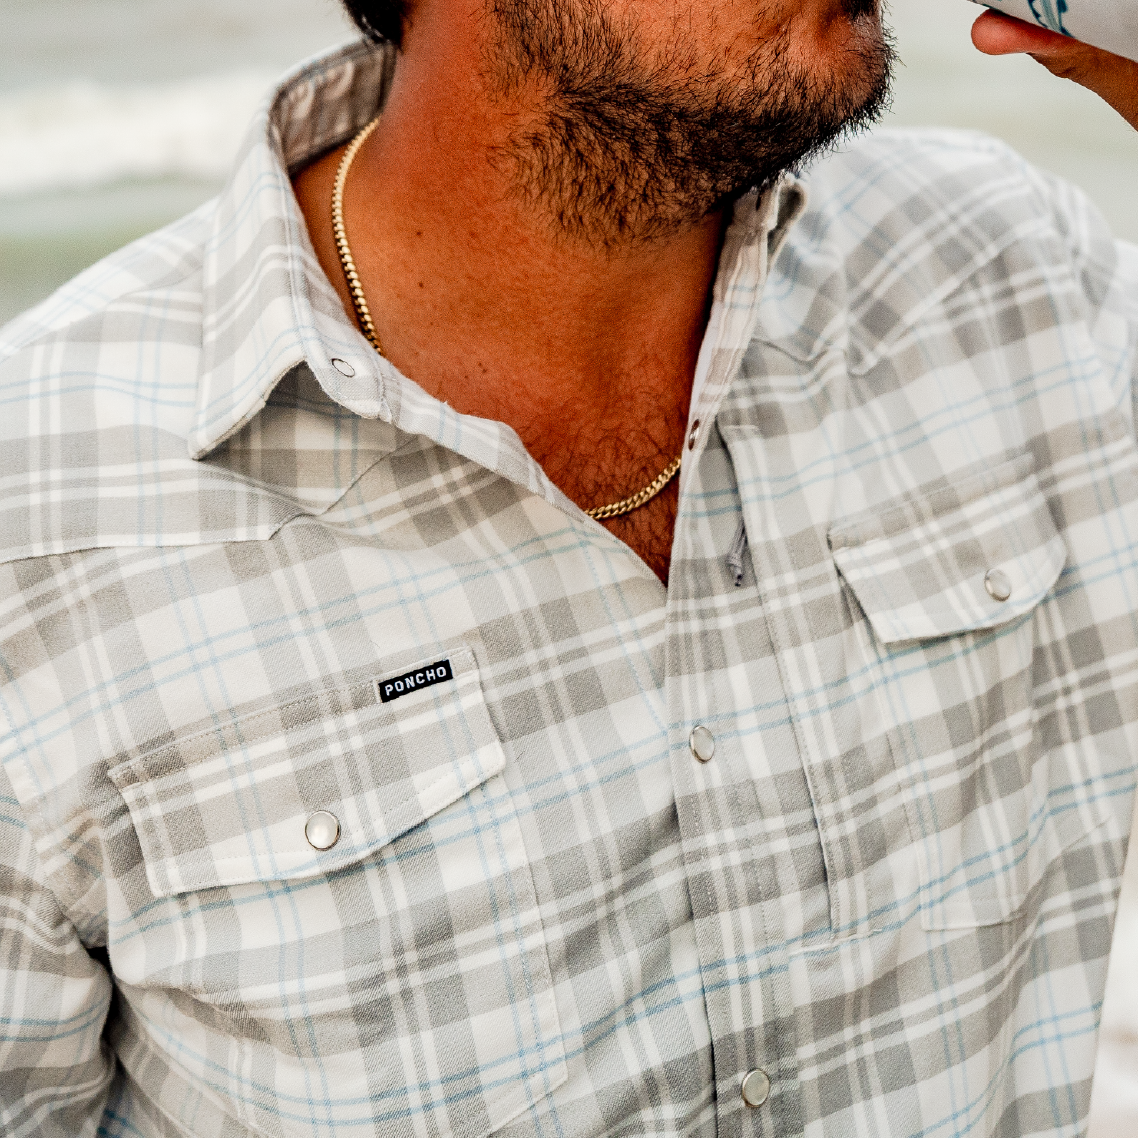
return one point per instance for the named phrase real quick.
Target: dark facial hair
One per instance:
(626, 149)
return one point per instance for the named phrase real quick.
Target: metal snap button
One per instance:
(756, 1087)
(998, 584)
(693, 435)
(702, 744)
(344, 368)
(322, 830)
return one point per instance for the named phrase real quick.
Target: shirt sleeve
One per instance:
(55, 1069)
(1106, 274)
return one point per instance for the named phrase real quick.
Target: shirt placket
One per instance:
(715, 663)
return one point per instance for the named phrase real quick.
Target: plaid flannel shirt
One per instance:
(350, 785)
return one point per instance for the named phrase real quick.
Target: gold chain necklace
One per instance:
(359, 301)
(363, 315)
(641, 497)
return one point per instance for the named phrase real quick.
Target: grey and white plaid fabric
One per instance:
(251, 573)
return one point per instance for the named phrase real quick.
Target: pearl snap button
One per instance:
(693, 435)
(322, 830)
(702, 744)
(756, 1087)
(998, 584)
(344, 368)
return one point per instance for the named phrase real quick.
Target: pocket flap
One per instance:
(922, 569)
(230, 805)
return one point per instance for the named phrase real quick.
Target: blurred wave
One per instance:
(83, 134)
(116, 116)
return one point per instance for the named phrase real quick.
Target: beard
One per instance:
(625, 147)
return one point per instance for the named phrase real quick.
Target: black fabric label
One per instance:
(424, 677)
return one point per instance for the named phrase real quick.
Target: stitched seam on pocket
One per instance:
(365, 847)
(877, 524)
(115, 773)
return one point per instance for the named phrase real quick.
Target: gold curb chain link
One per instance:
(641, 497)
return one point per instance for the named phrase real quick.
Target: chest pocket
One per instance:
(954, 588)
(355, 904)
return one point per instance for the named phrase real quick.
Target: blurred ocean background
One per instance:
(117, 116)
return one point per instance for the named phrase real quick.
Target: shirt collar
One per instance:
(268, 307)
(266, 304)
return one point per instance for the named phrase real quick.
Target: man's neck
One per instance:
(587, 350)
